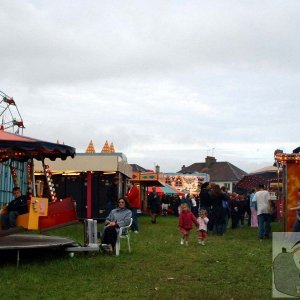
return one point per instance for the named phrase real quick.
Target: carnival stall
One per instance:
(43, 212)
(249, 182)
(165, 190)
(290, 164)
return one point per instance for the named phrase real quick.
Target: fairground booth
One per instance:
(17, 155)
(187, 183)
(87, 178)
(172, 184)
(145, 180)
(290, 164)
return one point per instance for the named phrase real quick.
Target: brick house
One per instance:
(223, 173)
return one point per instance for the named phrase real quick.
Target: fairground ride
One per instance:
(11, 119)
(12, 172)
(17, 154)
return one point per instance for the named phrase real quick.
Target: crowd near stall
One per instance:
(55, 187)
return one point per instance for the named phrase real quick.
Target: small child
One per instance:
(186, 220)
(203, 221)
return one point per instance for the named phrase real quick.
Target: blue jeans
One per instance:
(9, 220)
(226, 222)
(264, 226)
(135, 224)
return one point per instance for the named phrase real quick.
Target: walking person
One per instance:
(175, 203)
(263, 201)
(203, 221)
(218, 215)
(165, 203)
(154, 204)
(186, 220)
(254, 222)
(248, 209)
(134, 200)
(226, 207)
(234, 211)
(206, 202)
(205, 197)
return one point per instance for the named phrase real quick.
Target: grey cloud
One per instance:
(156, 75)
(89, 41)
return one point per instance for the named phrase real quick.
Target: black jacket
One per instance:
(19, 204)
(205, 198)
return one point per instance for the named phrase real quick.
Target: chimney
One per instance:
(209, 160)
(157, 169)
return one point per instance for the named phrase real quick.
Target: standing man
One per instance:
(16, 207)
(134, 200)
(154, 204)
(262, 199)
(206, 202)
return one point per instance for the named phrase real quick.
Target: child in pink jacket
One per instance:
(186, 220)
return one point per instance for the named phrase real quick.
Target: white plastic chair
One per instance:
(124, 233)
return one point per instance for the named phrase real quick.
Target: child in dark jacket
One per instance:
(186, 220)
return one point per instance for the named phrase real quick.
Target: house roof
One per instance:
(267, 169)
(218, 171)
(137, 168)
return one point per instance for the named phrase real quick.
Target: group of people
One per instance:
(185, 223)
(212, 210)
(209, 211)
(216, 203)
(257, 205)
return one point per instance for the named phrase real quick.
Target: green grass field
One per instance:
(233, 266)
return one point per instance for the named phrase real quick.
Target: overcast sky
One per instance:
(168, 82)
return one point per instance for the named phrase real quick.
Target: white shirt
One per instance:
(262, 199)
(194, 203)
(203, 223)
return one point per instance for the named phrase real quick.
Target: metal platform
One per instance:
(32, 241)
(21, 242)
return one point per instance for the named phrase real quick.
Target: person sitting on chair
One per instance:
(16, 207)
(118, 217)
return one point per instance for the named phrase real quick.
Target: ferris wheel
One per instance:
(11, 119)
